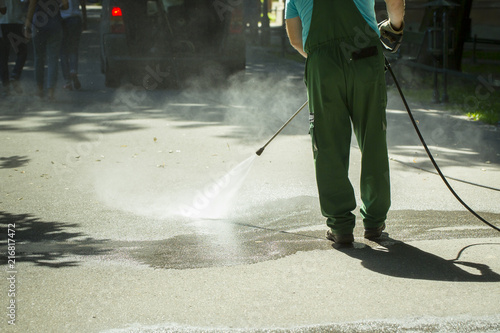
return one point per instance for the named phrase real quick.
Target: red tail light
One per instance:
(236, 26)
(116, 21)
(116, 11)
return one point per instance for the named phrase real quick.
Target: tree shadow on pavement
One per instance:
(12, 162)
(454, 140)
(398, 259)
(47, 244)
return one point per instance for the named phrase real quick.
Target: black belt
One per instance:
(364, 53)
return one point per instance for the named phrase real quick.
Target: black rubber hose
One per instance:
(388, 66)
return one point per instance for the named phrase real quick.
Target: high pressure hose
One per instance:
(388, 66)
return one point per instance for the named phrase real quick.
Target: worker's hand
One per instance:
(390, 37)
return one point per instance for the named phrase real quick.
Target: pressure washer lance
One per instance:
(261, 150)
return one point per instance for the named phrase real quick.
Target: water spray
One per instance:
(261, 150)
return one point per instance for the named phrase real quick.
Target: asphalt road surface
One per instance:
(135, 210)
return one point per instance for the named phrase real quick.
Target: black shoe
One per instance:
(76, 83)
(338, 238)
(374, 233)
(68, 86)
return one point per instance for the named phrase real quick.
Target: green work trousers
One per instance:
(345, 81)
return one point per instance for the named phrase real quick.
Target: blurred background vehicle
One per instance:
(157, 42)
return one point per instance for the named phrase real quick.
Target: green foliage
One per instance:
(479, 103)
(488, 116)
(479, 99)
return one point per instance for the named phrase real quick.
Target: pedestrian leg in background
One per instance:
(20, 46)
(72, 30)
(53, 52)
(65, 56)
(12, 39)
(39, 46)
(4, 62)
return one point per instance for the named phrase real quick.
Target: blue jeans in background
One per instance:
(47, 46)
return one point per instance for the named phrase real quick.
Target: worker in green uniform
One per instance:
(345, 82)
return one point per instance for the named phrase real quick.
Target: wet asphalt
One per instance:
(95, 187)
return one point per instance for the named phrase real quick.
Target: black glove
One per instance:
(390, 38)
